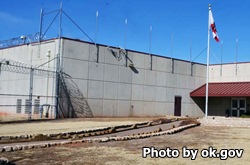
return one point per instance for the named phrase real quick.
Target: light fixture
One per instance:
(23, 37)
(48, 53)
(131, 65)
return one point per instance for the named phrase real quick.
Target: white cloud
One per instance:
(8, 18)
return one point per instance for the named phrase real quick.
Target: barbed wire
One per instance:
(20, 41)
(23, 68)
(71, 91)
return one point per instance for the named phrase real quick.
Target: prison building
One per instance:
(72, 78)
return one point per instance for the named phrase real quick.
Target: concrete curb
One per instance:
(54, 136)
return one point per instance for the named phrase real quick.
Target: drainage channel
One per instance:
(142, 130)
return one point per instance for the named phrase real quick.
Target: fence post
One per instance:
(31, 92)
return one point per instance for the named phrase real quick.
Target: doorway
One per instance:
(238, 106)
(177, 106)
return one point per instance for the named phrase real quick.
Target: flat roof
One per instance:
(135, 51)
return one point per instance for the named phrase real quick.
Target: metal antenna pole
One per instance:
(150, 40)
(40, 33)
(58, 67)
(59, 36)
(96, 27)
(171, 52)
(172, 45)
(125, 34)
(236, 57)
(96, 34)
(41, 26)
(191, 64)
(190, 51)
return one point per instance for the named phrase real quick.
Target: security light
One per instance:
(23, 37)
(48, 53)
(131, 65)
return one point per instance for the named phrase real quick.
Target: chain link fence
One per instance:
(29, 92)
(26, 92)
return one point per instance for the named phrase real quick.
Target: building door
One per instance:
(238, 106)
(177, 106)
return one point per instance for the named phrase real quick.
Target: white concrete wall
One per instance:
(226, 73)
(15, 85)
(114, 89)
(110, 86)
(229, 72)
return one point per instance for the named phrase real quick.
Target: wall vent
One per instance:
(18, 105)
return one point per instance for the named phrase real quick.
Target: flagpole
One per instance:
(208, 54)
(221, 53)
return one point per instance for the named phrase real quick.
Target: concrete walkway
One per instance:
(225, 121)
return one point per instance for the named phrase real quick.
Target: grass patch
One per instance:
(245, 116)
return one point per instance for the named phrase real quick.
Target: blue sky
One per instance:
(177, 26)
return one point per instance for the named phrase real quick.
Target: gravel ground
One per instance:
(225, 121)
(130, 152)
(65, 125)
(56, 126)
